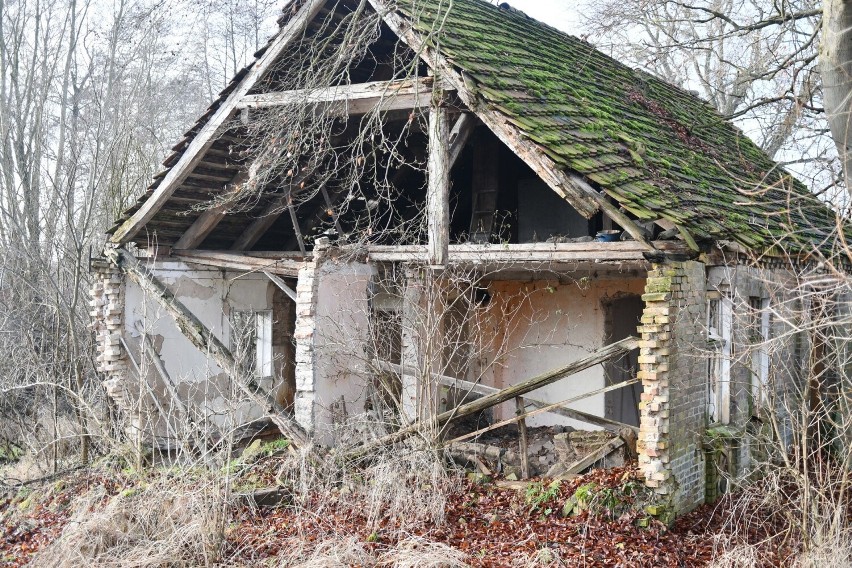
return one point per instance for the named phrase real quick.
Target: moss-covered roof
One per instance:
(659, 151)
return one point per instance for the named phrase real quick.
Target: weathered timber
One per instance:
(529, 252)
(523, 441)
(547, 408)
(613, 212)
(211, 130)
(277, 263)
(477, 388)
(281, 284)
(204, 340)
(595, 358)
(438, 188)
(597, 455)
(462, 129)
(355, 99)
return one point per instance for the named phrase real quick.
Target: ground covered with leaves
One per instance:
(598, 519)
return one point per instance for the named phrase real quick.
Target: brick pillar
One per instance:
(673, 373)
(107, 311)
(307, 289)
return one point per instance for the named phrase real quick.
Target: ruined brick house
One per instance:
(532, 144)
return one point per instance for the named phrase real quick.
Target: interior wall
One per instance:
(544, 324)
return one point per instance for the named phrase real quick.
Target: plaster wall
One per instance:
(341, 344)
(544, 324)
(210, 294)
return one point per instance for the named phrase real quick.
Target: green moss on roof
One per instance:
(659, 151)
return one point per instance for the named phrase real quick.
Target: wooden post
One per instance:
(523, 442)
(204, 340)
(412, 323)
(438, 191)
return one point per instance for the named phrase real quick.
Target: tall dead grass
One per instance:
(172, 521)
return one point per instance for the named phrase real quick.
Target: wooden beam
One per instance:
(614, 213)
(523, 441)
(295, 221)
(585, 462)
(205, 341)
(438, 189)
(271, 213)
(544, 253)
(204, 225)
(548, 408)
(233, 261)
(485, 390)
(602, 355)
(281, 284)
(354, 99)
(259, 226)
(462, 129)
(208, 134)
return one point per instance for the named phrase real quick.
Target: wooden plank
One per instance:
(477, 388)
(587, 461)
(354, 99)
(438, 188)
(595, 358)
(205, 341)
(281, 284)
(259, 226)
(548, 408)
(462, 129)
(295, 221)
(523, 440)
(208, 134)
(283, 266)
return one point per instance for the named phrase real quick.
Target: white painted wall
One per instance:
(341, 341)
(210, 294)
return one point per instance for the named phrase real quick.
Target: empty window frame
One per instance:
(758, 339)
(251, 341)
(719, 327)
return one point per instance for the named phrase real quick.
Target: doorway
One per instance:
(622, 317)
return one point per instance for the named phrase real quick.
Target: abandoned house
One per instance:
(404, 206)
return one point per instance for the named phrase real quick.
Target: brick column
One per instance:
(107, 311)
(307, 288)
(673, 373)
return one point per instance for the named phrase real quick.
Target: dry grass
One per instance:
(416, 552)
(171, 522)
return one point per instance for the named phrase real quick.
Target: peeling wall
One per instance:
(210, 294)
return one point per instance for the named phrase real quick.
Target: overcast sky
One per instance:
(557, 13)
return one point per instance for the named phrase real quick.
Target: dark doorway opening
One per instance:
(622, 318)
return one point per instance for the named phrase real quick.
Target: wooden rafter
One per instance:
(208, 134)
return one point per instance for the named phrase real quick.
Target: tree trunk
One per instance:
(836, 70)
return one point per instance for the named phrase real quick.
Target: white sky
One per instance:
(561, 14)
